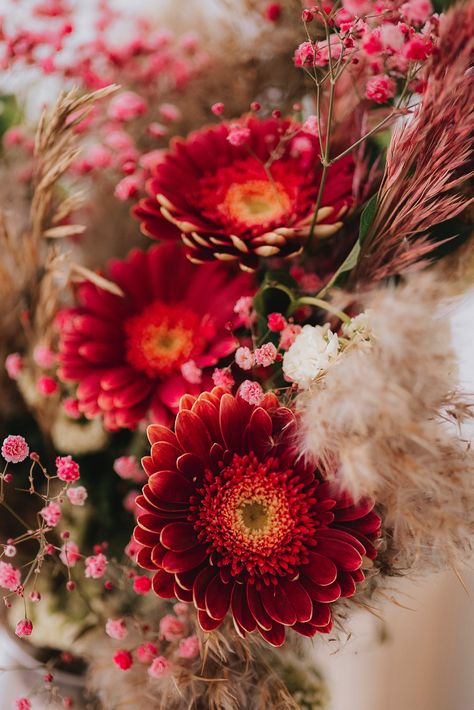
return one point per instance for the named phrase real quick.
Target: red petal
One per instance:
(206, 623)
(193, 435)
(321, 615)
(158, 432)
(347, 584)
(325, 595)
(145, 537)
(184, 595)
(164, 456)
(305, 629)
(257, 609)
(275, 636)
(232, 419)
(171, 487)
(345, 556)
(184, 561)
(178, 537)
(298, 598)
(277, 605)
(258, 433)
(240, 609)
(144, 559)
(200, 585)
(190, 466)
(345, 536)
(163, 584)
(321, 570)
(217, 598)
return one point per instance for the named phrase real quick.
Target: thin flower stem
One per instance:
(324, 305)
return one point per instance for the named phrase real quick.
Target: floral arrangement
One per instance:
(230, 408)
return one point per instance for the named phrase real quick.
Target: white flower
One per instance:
(311, 353)
(359, 327)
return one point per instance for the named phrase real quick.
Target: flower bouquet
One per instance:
(230, 407)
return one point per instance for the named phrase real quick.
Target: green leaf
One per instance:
(366, 219)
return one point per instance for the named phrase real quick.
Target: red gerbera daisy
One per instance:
(234, 519)
(144, 350)
(239, 202)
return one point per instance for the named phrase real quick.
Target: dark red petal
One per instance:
(344, 536)
(217, 598)
(345, 556)
(240, 609)
(321, 615)
(190, 466)
(258, 433)
(151, 523)
(209, 414)
(158, 432)
(257, 609)
(298, 598)
(148, 465)
(233, 419)
(206, 622)
(200, 586)
(184, 561)
(144, 558)
(157, 554)
(164, 456)
(305, 629)
(275, 636)
(320, 569)
(325, 595)
(184, 595)
(163, 584)
(277, 605)
(193, 435)
(145, 537)
(178, 537)
(347, 584)
(171, 487)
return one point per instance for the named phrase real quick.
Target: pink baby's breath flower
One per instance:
(67, 469)
(181, 609)
(191, 372)
(416, 11)
(99, 157)
(371, 43)
(418, 48)
(123, 659)
(218, 108)
(13, 136)
(10, 577)
(311, 125)
(14, 448)
(70, 554)
(380, 88)
(305, 55)
(244, 358)
(44, 356)
(127, 468)
(157, 130)
(141, 584)
(272, 11)
(127, 106)
(116, 629)
(24, 628)
(170, 112)
(47, 386)
(266, 354)
(276, 322)
(77, 495)
(146, 652)
(9, 550)
(223, 378)
(119, 140)
(238, 135)
(95, 566)
(189, 647)
(288, 336)
(358, 8)
(132, 549)
(22, 704)
(71, 407)
(251, 392)
(127, 187)
(51, 514)
(14, 365)
(171, 627)
(159, 667)
(391, 36)
(244, 309)
(130, 501)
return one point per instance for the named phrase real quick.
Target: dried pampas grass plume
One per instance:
(386, 422)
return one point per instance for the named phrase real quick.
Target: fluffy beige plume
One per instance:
(386, 423)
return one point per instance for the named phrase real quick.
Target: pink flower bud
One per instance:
(24, 628)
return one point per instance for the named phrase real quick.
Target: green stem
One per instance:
(324, 305)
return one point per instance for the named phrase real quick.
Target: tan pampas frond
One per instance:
(385, 421)
(429, 159)
(230, 673)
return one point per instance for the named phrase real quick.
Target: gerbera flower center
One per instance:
(255, 202)
(162, 338)
(255, 518)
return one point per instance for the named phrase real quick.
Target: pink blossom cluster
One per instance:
(390, 39)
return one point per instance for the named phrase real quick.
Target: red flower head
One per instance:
(240, 191)
(234, 519)
(134, 353)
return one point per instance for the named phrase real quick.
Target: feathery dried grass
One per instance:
(386, 424)
(429, 159)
